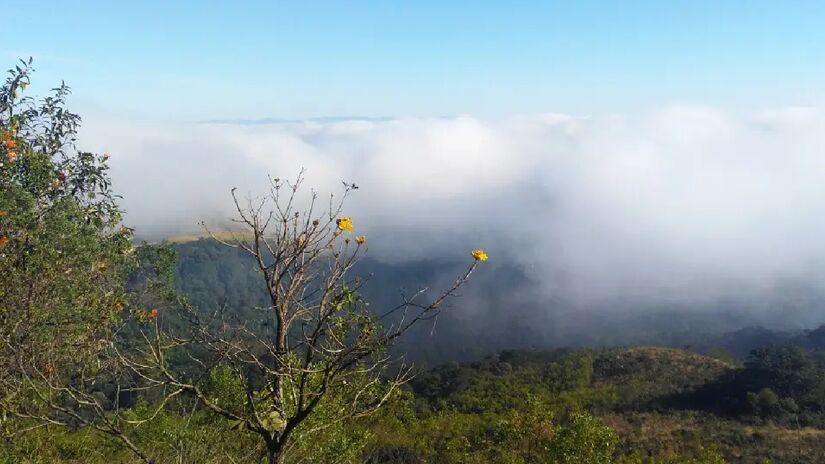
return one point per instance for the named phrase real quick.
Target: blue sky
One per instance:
(221, 60)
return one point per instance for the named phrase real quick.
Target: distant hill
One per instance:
(495, 313)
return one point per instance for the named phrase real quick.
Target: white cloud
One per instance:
(685, 201)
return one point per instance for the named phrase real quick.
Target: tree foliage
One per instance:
(63, 252)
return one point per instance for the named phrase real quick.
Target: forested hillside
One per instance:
(215, 276)
(624, 405)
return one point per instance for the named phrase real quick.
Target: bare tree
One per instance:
(315, 338)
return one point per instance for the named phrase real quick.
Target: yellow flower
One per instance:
(344, 223)
(3, 213)
(479, 255)
(361, 239)
(3, 240)
(11, 156)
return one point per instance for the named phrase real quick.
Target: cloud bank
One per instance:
(683, 204)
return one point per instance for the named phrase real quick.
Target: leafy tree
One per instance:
(765, 403)
(63, 253)
(585, 440)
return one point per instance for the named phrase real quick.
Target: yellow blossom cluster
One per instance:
(344, 224)
(479, 255)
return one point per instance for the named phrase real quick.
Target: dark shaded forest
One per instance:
(215, 276)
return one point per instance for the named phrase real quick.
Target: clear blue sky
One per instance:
(295, 59)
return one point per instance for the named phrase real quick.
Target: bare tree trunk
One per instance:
(275, 451)
(276, 457)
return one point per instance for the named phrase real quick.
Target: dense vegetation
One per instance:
(623, 405)
(64, 254)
